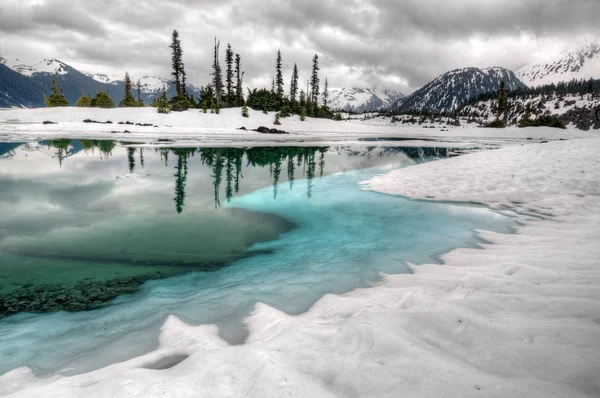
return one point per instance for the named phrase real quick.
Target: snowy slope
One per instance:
(578, 62)
(448, 91)
(362, 99)
(29, 67)
(150, 84)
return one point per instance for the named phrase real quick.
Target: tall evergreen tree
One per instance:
(302, 98)
(501, 100)
(279, 76)
(314, 80)
(180, 102)
(325, 94)
(128, 100)
(294, 84)
(239, 97)
(176, 60)
(217, 82)
(229, 75)
(140, 100)
(56, 98)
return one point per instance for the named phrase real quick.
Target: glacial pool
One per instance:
(100, 240)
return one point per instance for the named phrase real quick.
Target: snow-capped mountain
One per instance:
(150, 84)
(30, 67)
(362, 99)
(447, 92)
(35, 78)
(579, 62)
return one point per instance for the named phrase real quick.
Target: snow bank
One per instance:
(16, 124)
(518, 319)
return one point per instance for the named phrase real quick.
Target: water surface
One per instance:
(202, 233)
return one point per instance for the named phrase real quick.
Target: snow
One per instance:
(362, 99)
(197, 127)
(28, 67)
(578, 62)
(519, 318)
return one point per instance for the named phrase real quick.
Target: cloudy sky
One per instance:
(378, 43)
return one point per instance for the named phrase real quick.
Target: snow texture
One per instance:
(194, 127)
(362, 99)
(519, 318)
(578, 62)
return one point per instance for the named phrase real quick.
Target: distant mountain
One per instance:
(151, 85)
(447, 92)
(579, 62)
(18, 90)
(362, 99)
(72, 82)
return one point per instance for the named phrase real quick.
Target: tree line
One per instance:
(225, 90)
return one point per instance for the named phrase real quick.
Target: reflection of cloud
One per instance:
(31, 207)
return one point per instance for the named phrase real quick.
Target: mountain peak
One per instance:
(359, 99)
(450, 90)
(581, 61)
(28, 67)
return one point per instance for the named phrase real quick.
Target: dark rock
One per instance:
(95, 121)
(242, 128)
(266, 130)
(48, 122)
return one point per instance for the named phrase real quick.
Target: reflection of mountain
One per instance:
(418, 154)
(7, 149)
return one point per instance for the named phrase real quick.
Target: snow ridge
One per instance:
(362, 99)
(579, 62)
(29, 67)
(449, 91)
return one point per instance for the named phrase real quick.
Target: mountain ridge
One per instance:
(450, 90)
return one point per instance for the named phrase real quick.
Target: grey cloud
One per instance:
(379, 42)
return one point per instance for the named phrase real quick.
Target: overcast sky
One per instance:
(379, 43)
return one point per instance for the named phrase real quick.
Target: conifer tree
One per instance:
(229, 75)
(245, 110)
(314, 80)
(217, 82)
(140, 100)
(180, 102)
(273, 86)
(325, 94)
(303, 113)
(163, 102)
(85, 101)
(56, 98)
(176, 60)
(294, 84)
(279, 76)
(128, 100)
(302, 98)
(501, 100)
(239, 99)
(102, 100)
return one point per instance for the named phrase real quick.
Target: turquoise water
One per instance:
(342, 238)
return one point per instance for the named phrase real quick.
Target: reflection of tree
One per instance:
(142, 157)
(310, 173)
(290, 170)
(62, 145)
(181, 175)
(228, 161)
(88, 145)
(131, 159)
(106, 147)
(229, 179)
(276, 173)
